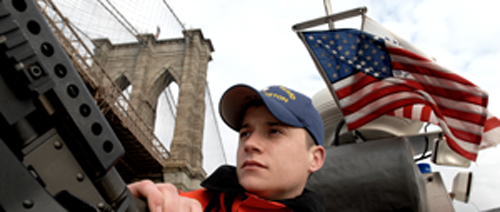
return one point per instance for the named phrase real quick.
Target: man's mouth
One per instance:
(252, 164)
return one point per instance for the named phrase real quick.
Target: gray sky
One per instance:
(254, 44)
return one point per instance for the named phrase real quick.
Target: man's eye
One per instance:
(275, 131)
(244, 134)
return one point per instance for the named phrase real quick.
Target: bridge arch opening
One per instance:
(166, 108)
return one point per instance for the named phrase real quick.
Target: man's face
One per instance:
(273, 160)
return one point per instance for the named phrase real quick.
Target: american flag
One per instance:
(372, 77)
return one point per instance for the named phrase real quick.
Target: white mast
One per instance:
(328, 9)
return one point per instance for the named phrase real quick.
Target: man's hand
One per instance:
(163, 197)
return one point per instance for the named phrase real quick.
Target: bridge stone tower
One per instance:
(149, 66)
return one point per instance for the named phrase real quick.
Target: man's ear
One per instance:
(318, 155)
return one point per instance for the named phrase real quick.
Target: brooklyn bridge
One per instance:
(148, 75)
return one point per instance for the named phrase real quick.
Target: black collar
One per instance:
(307, 201)
(224, 180)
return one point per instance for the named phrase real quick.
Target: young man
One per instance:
(280, 146)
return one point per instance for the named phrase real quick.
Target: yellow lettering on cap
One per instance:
(276, 96)
(280, 97)
(291, 95)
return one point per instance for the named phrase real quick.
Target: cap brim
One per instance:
(233, 104)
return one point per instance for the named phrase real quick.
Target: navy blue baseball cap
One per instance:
(286, 105)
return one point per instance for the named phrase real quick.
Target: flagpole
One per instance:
(328, 9)
(332, 18)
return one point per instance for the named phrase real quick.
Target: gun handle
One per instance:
(137, 204)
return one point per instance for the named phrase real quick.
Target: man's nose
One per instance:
(254, 143)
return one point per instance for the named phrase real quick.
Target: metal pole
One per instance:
(328, 9)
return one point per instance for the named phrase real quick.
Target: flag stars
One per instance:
(345, 53)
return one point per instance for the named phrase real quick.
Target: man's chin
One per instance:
(259, 188)
(252, 183)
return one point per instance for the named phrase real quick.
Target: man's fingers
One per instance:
(190, 204)
(148, 189)
(163, 197)
(171, 201)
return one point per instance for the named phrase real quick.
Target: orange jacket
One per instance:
(222, 192)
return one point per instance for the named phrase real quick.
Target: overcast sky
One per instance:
(254, 44)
